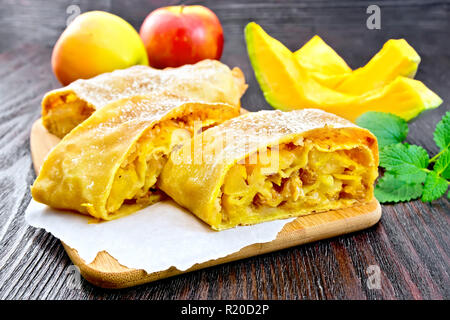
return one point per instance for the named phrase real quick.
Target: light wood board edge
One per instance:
(105, 271)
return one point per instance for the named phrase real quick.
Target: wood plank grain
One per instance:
(411, 244)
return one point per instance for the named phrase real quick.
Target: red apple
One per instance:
(178, 35)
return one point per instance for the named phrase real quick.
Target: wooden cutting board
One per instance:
(105, 271)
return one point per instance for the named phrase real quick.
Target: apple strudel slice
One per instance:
(208, 81)
(107, 166)
(271, 165)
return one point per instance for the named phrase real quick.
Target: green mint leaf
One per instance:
(442, 132)
(392, 189)
(387, 127)
(407, 162)
(434, 187)
(442, 165)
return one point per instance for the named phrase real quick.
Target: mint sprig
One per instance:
(409, 171)
(387, 127)
(408, 162)
(442, 132)
(442, 166)
(434, 188)
(391, 189)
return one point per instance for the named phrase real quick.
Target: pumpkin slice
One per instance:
(404, 97)
(396, 58)
(275, 68)
(287, 85)
(322, 62)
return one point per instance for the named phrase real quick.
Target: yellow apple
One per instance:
(96, 42)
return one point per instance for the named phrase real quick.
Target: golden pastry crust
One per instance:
(81, 171)
(194, 175)
(206, 81)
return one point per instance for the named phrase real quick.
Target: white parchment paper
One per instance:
(153, 239)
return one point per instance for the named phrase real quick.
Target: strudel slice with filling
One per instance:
(272, 165)
(207, 81)
(108, 165)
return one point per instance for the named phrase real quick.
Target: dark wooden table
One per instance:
(410, 245)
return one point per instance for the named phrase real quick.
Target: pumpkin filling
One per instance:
(292, 178)
(133, 186)
(65, 113)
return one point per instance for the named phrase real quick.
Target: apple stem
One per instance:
(181, 8)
